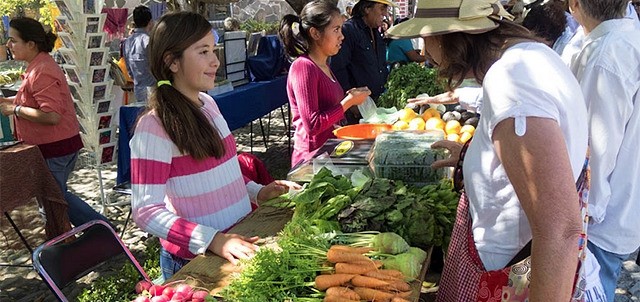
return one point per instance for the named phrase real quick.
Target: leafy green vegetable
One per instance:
(408, 81)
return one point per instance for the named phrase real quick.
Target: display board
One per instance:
(86, 65)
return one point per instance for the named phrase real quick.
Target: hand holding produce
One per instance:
(454, 149)
(233, 246)
(276, 188)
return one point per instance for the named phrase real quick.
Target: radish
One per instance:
(161, 298)
(142, 299)
(142, 286)
(156, 290)
(185, 290)
(179, 297)
(199, 296)
(169, 291)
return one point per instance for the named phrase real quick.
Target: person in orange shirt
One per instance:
(43, 110)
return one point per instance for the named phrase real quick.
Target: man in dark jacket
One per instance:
(362, 57)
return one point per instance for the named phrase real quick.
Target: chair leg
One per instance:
(251, 136)
(638, 258)
(264, 138)
(24, 240)
(126, 222)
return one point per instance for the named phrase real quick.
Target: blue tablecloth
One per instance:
(239, 107)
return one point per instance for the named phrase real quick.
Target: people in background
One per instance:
(507, 178)
(231, 24)
(135, 54)
(546, 19)
(316, 98)
(607, 69)
(43, 110)
(401, 51)
(362, 59)
(187, 186)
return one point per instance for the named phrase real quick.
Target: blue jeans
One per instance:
(610, 266)
(170, 264)
(79, 211)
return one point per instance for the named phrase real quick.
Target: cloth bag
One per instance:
(464, 277)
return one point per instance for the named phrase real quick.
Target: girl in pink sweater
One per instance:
(186, 180)
(316, 98)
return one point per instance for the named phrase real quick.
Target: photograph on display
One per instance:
(72, 74)
(104, 121)
(82, 130)
(67, 41)
(106, 136)
(99, 73)
(64, 9)
(99, 92)
(93, 24)
(69, 56)
(107, 153)
(79, 110)
(97, 57)
(89, 6)
(62, 24)
(103, 107)
(95, 40)
(75, 91)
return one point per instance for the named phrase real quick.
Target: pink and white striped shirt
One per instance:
(183, 201)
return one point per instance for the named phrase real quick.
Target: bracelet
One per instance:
(16, 109)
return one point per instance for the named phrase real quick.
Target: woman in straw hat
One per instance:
(522, 166)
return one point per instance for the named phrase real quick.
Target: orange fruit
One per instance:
(454, 137)
(468, 128)
(416, 124)
(429, 113)
(406, 114)
(452, 127)
(465, 136)
(434, 123)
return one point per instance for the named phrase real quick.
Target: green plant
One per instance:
(257, 26)
(408, 81)
(120, 286)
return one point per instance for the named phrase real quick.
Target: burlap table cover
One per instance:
(24, 175)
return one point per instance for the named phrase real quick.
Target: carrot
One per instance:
(377, 263)
(343, 292)
(364, 281)
(355, 268)
(406, 294)
(351, 249)
(379, 275)
(398, 285)
(335, 256)
(392, 272)
(371, 294)
(337, 299)
(398, 299)
(325, 281)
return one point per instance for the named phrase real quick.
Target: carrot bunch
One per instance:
(357, 278)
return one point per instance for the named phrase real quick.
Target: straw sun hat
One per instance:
(437, 17)
(387, 2)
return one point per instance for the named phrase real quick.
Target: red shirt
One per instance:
(45, 87)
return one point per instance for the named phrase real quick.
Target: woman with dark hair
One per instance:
(548, 21)
(43, 110)
(523, 165)
(186, 180)
(317, 101)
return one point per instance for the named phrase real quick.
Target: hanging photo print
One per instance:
(93, 24)
(72, 74)
(107, 153)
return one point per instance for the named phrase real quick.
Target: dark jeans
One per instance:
(170, 264)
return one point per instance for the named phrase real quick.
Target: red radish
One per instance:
(169, 291)
(156, 290)
(142, 286)
(185, 290)
(199, 296)
(179, 297)
(161, 298)
(142, 299)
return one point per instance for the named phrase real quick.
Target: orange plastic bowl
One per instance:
(361, 131)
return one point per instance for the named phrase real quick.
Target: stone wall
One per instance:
(261, 10)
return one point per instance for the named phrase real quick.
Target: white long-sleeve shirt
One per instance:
(608, 69)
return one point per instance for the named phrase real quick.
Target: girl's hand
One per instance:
(443, 98)
(454, 149)
(233, 246)
(355, 96)
(276, 189)
(6, 108)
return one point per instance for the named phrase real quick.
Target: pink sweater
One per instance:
(315, 105)
(183, 201)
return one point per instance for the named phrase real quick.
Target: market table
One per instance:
(24, 175)
(239, 107)
(213, 272)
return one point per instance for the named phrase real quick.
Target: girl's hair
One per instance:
(184, 122)
(294, 30)
(31, 30)
(463, 53)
